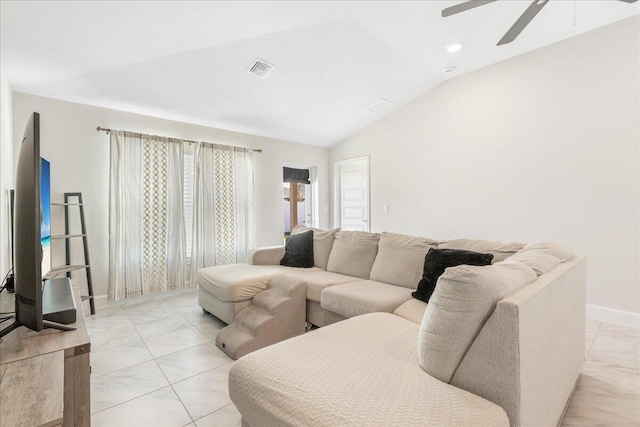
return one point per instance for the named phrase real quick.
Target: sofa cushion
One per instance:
(353, 253)
(437, 260)
(322, 243)
(299, 250)
(364, 296)
(400, 259)
(316, 281)
(500, 250)
(543, 257)
(270, 255)
(463, 300)
(361, 372)
(556, 249)
(412, 310)
(238, 282)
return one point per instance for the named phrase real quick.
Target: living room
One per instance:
(534, 140)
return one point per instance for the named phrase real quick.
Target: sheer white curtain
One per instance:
(223, 223)
(146, 223)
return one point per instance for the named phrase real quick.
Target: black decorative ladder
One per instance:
(67, 236)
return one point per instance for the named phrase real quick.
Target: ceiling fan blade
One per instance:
(523, 21)
(470, 4)
(629, 1)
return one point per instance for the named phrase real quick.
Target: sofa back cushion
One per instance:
(464, 298)
(353, 253)
(322, 243)
(400, 259)
(500, 250)
(543, 256)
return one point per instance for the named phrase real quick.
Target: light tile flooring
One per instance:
(154, 363)
(608, 393)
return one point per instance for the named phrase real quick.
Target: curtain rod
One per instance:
(255, 150)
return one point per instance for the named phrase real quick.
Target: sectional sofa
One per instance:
(496, 345)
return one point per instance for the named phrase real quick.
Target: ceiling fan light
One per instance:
(454, 47)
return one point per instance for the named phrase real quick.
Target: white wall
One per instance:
(6, 174)
(543, 146)
(79, 159)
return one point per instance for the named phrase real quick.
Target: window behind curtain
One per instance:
(189, 172)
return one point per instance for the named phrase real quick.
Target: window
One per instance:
(189, 182)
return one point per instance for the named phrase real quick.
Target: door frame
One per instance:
(337, 193)
(312, 198)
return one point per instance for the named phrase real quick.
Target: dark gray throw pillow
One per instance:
(299, 250)
(437, 260)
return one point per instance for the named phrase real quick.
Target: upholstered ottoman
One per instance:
(224, 290)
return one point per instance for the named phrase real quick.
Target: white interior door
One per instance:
(352, 194)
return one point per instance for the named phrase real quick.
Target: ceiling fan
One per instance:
(515, 30)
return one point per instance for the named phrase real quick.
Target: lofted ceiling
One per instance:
(187, 61)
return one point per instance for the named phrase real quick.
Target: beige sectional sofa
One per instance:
(496, 345)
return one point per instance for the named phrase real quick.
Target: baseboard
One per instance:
(620, 317)
(101, 301)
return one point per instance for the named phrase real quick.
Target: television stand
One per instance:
(43, 372)
(11, 327)
(47, 324)
(58, 307)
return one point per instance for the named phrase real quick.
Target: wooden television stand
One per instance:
(45, 376)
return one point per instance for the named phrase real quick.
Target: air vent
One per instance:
(379, 106)
(448, 71)
(260, 68)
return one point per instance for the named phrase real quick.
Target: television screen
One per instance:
(45, 219)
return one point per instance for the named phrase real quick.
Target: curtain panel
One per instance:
(223, 225)
(146, 221)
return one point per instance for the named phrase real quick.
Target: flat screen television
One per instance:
(32, 232)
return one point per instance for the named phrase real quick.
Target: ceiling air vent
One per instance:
(379, 106)
(260, 68)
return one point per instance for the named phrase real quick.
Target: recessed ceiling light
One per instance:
(454, 47)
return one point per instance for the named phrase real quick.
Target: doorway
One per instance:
(298, 195)
(351, 195)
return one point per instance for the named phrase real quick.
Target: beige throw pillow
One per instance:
(400, 259)
(322, 243)
(500, 250)
(462, 302)
(542, 257)
(353, 253)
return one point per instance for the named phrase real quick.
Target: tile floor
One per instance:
(608, 393)
(154, 363)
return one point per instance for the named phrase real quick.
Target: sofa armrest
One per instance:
(528, 356)
(265, 256)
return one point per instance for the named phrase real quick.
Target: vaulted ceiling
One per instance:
(187, 61)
